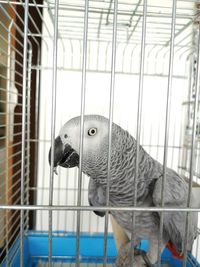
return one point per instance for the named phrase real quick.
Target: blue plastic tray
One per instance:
(64, 250)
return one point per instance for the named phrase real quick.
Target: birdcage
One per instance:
(135, 62)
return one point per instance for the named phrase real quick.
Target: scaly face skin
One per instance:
(95, 144)
(95, 135)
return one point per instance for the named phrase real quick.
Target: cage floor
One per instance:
(64, 251)
(60, 264)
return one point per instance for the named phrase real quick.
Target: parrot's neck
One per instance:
(123, 171)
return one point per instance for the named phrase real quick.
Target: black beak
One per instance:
(64, 156)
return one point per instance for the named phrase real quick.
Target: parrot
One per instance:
(122, 183)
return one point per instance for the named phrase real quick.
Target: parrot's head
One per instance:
(95, 142)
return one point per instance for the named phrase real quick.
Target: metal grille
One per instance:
(135, 62)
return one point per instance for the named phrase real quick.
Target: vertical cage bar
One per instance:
(25, 45)
(183, 151)
(37, 103)
(111, 108)
(193, 141)
(167, 123)
(37, 92)
(44, 132)
(8, 136)
(53, 122)
(83, 91)
(28, 126)
(139, 118)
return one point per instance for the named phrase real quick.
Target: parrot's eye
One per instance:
(92, 131)
(65, 135)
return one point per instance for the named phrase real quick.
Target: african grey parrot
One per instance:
(122, 176)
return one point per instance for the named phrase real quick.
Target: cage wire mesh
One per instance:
(65, 58)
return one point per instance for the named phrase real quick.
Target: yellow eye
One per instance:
(92, 131)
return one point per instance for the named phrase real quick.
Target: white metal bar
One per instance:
(107, 71)
(26, 9)
(53, 121)
(44, 132)
(66, 195)
(139, 119)
(7, 137)
(167, 123)
(83, 91)
(100, 208)
(36, 134)
(28, 128)
(65, 189)
(111, 109)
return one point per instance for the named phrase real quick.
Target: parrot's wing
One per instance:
(96, 196)
(175, 195)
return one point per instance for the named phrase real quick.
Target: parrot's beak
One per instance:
(64, 155)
